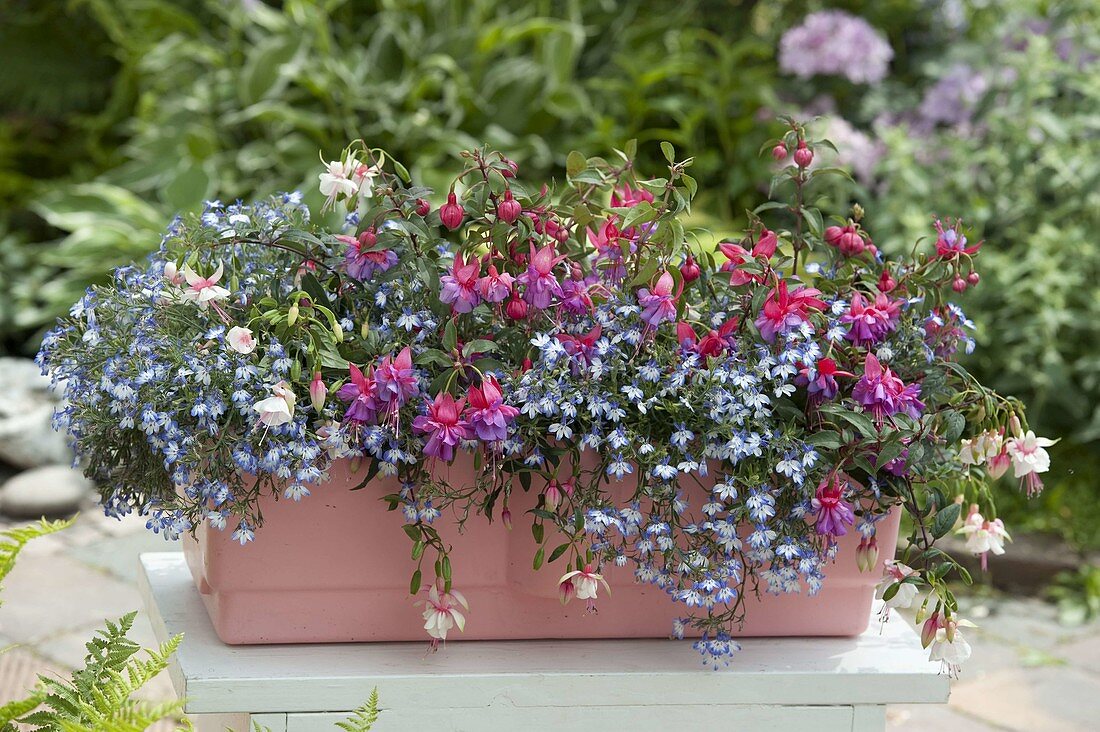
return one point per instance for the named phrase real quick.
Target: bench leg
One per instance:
(869, 718)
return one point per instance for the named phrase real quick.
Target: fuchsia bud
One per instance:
(779, 152)
(689, 270)
(509, 209)
(516, 309)
(552, 495)
(423, 208)
(959, 285)
(765, 246)
(803, 156)
(886, 283)
(506, 519)
(317, 391)
(851, 244)
(973, 278)
(928, 631)
(867, 554)
(451, 213)
(833, 234)
(513, 168)
(527, 364)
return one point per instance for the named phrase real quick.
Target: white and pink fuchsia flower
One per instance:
(982, 536)
(279, 408)
(443, 611)
(1029, 458)
(203, 291)
(240, 340)
(895, 575)
(582, 584)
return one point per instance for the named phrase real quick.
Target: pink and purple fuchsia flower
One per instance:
(361, 260)
(884, 394)
(443, 426)
(460, 287)
(834, 514)
(659, 303)
(870, 322)
(487, 414)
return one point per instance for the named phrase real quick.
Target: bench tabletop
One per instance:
(885, 665)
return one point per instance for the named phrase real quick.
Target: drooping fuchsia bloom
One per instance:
(714, 343)
(443, 425)
(362, 260)
(581, 347)
(765, 246)
(487, 413)
(362, 394)
(834, 514)
(869, 323)
(460, 287)
(820, 381)
(983, 536)
(451, 213)
(659, 303)
(884, 394)
(582, 584)
(577, 291)
(396, 378)
(627, 197)
(495, 286)
(203, 291)
(1029, 458)
(441, 613)
(896, 573)
(555, 491)
(945, 642)
(317, 391)
(541, 285)
(277, 409)
(951, 243)
(736, 255)
(784, 311)
(608, 243)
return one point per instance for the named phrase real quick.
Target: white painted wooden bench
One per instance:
(818, 684)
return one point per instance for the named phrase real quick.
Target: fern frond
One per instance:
(363, 718)
(13, 710)
(12, 541)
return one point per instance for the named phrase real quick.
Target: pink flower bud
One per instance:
(451, 213)
(509, 209)
(423, 208)
(851, 244)
(973, 278)
(317, 391)
(368, 239)
(886, 283)
(513, 168)
(527, 364)
(779, 152)
(766, 245)
(689, 270)
(552, 495)
(959, 285)
(506, 519)
(516, 309)
(833, 234)
(803, 156)
(928, 631)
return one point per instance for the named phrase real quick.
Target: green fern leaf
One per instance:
(364, 717)
(12, 541)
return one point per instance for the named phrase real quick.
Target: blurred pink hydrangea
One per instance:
(835, 43)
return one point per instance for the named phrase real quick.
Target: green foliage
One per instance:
(98, 697)
(364, 717)
(12, 541)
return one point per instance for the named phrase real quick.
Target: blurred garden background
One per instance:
(117, 114)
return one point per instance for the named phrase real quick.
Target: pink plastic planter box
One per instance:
(336, 567)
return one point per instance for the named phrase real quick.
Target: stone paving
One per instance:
(1028, 672)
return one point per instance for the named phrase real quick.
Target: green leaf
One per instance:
(414, 583)
(450, 335)
(558, 551)
(828, 439)
(945, 519)
(668, 151)
(575, 164)
(953, 426)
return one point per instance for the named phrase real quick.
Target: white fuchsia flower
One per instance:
(945, 643)
(442, 612)
(203, 290)
(895, 575)
(582, 584)
(240, 340)
(172, 274)
(1029, 458)
(338, 180)
(279, 408)
(982, 536)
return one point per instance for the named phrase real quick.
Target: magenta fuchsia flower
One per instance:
(951, 243)
(451, 213)
(396, 378)
(870, 323)
(884, 394)
(487, 414)
(714, 343)
(607, 242)
(581, 347)
(784, 311)
(361, 260)
(659, 303)
(443, 425)
(820, 381)
(541, 287)
(460, 287)
(362, 394)
(495, 286)
(627, 197)
(577, 291)
(834, 514)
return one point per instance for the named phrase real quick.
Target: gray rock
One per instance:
(55, 490)
(27, 439)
